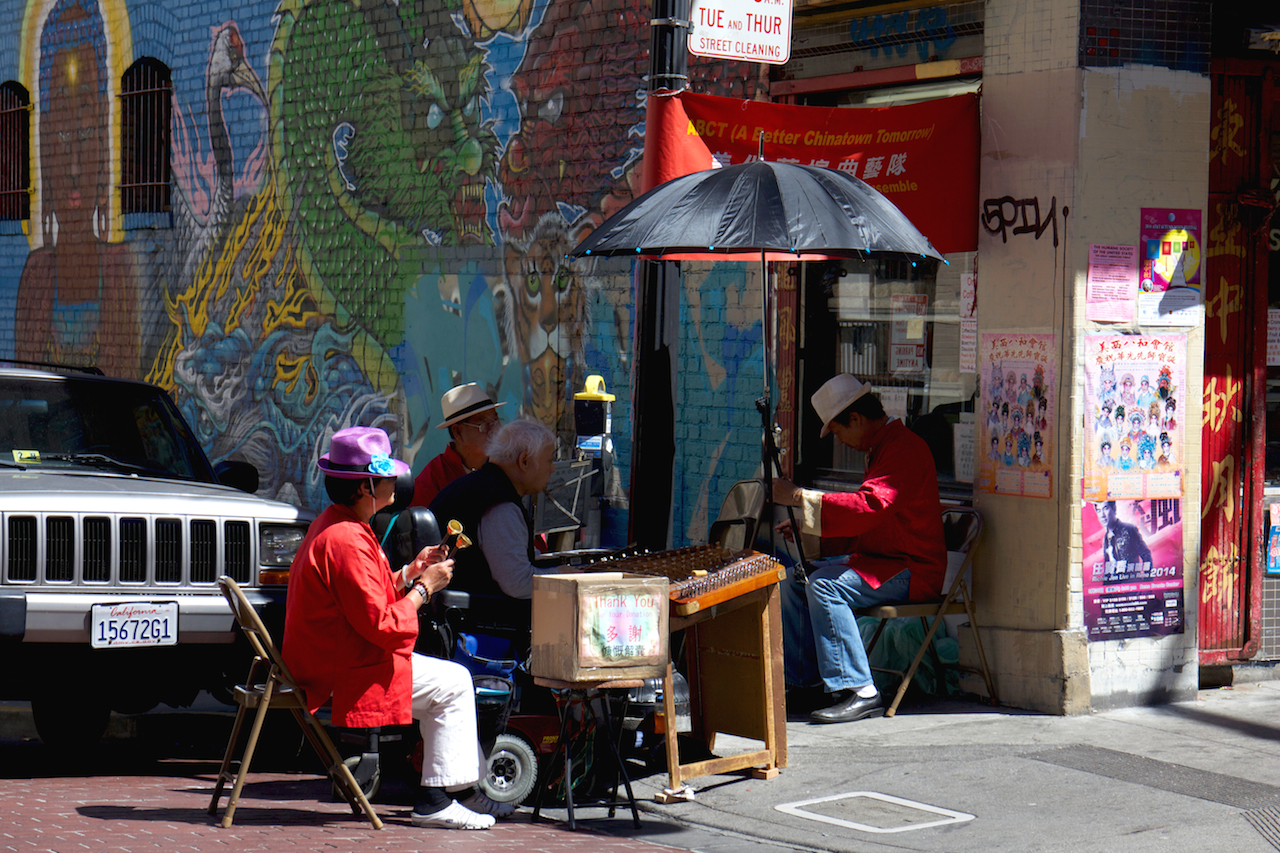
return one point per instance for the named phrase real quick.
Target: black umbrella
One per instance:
(776, 209)
(767, 207)
(760, 207)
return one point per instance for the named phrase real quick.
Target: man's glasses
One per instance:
(484, 427)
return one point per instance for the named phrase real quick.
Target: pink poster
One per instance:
(1170, 249)
(1132, 568)
(1016, 430)
(1112, 284)
(1134, 388)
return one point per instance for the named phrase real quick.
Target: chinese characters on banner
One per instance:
(923, 156)
(1015, 450)
(1132, 486)
(1132, 568)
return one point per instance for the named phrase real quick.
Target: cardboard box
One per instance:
(599, 626)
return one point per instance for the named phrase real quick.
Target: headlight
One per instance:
(278, 543)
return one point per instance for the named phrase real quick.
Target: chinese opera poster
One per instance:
(1015, 449)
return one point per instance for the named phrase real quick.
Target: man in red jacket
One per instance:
(471, 417)
(351, 625)
(888, 534)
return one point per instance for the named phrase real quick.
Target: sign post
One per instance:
(750, 30)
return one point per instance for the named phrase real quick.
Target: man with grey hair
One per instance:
(489, 503)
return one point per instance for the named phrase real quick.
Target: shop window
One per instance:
(146, 104)
(15, 152)
(897, 325)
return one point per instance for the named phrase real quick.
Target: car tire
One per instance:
(512, 770)
(66, 723)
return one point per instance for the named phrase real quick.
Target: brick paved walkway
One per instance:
(276, 812)
(161, 806)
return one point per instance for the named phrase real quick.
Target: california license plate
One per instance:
(134, 623)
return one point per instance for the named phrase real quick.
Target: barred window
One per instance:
(15, 152)
(144, 157)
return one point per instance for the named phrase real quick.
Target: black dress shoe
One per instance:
(803, 700)
(852, 708)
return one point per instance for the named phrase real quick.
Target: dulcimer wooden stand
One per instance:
(733, 648)
(730, 607)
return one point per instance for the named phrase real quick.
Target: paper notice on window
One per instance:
(968, 346)
(1112, 284)
(906, 338)
(1273, 336)
(968, 323)
(962, 438)
(894, 400)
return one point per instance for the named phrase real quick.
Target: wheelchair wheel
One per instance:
(370, 788)
(513, 770)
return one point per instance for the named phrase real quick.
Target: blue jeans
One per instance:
(821, 639)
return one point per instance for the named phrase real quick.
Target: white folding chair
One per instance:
(962, 527)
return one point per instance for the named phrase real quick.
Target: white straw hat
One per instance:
(463, 401)
(834, 397)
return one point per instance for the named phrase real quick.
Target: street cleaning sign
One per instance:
(751, 30)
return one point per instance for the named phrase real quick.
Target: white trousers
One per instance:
(444, 704)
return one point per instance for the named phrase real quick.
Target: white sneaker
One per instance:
(482, 803)
(454, 816)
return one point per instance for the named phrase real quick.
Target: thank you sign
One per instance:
(753, 30)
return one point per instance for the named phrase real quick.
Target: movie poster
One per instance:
(1015, 449)
(1134, 390)
(1132, 568)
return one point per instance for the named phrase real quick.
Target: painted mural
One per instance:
(76, 302)
(371, 202)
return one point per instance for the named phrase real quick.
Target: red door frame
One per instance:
(1233, 425)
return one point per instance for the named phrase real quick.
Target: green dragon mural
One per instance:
(380, 146)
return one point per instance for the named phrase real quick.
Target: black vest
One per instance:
(466, 500)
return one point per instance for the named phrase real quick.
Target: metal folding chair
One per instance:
(740, 513)
(962, 527)
(270, 686)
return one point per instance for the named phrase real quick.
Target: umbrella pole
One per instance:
(770, 457)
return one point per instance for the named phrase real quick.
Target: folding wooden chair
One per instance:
(270, 686)
(962, 528)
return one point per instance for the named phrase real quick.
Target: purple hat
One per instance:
(359, 452)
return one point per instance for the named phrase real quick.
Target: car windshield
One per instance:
(70, 422)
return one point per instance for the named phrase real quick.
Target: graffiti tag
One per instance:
(1023, 214)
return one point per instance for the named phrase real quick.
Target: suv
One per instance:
(114, 530)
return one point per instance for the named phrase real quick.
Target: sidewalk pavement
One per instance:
(951, 776)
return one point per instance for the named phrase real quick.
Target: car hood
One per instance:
(50, 490)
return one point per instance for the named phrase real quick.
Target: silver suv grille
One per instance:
(145, 551)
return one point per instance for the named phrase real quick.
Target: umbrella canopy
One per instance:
(760, 206)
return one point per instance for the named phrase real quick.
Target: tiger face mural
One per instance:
(542, 306)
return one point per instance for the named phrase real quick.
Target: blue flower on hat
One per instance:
(381, 464)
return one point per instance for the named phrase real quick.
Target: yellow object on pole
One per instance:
(593, 389)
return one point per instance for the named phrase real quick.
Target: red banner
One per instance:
(923, 156)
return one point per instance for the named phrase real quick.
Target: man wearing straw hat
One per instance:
(471, 417)
(351, 625)
(889, 536)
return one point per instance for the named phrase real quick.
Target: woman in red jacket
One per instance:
(351, 624)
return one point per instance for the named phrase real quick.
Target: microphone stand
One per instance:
(772, 458)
